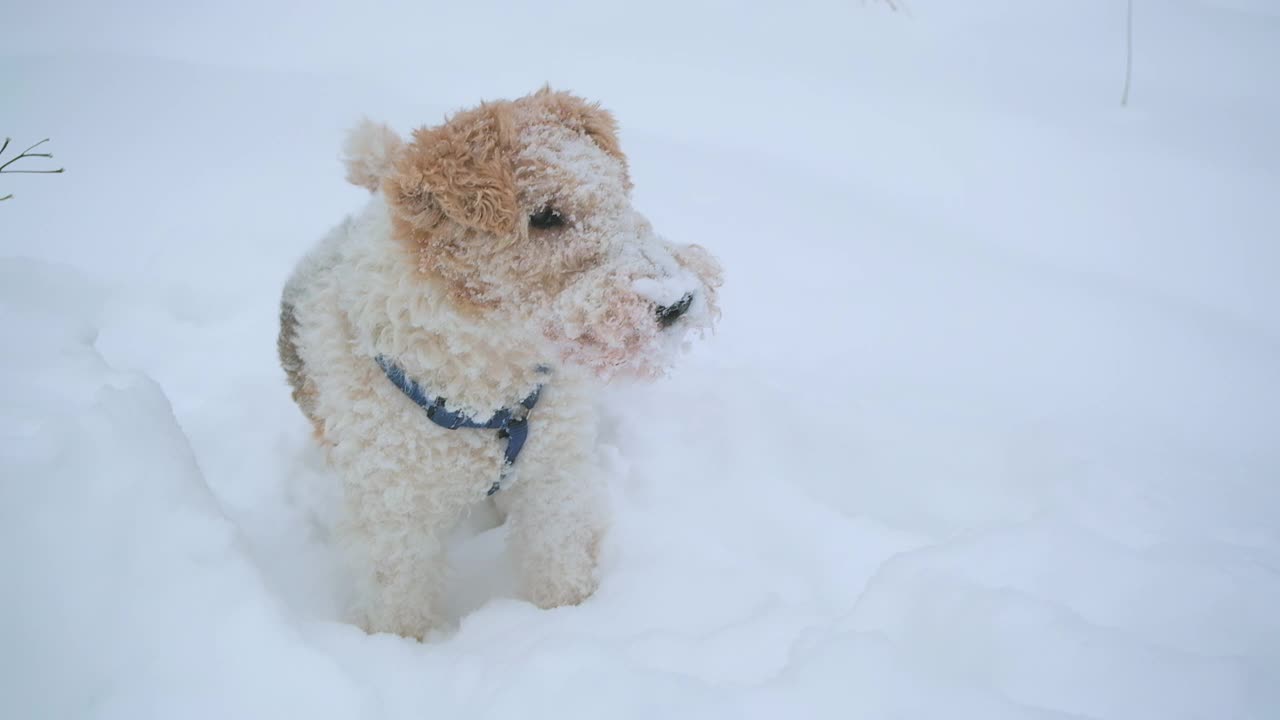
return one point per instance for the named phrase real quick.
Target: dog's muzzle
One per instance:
(668, 314)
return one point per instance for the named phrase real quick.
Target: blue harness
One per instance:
(512, 424)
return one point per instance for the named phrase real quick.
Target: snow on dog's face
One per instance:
(521, 211)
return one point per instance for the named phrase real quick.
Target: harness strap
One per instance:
(512, 424)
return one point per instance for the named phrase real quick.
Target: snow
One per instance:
(988, 429)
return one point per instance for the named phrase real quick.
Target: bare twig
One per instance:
(1128, 61)
(4, 168)
(28, 154)
(893, 5)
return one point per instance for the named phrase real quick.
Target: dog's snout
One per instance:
(668, 314)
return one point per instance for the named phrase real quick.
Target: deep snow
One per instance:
(989, 429)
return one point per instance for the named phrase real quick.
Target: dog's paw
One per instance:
(412, 625)
(567, 577)
(547, 595)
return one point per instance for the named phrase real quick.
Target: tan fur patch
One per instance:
(589, 118)
(463, 168)
(454, 190)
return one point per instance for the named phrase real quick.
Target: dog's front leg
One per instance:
(556, 513)
(398, 559)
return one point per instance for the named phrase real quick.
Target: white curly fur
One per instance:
(360, 294)
(369, 152)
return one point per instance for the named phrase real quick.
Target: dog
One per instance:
(448, 343)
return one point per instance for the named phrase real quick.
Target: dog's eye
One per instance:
(545, 219)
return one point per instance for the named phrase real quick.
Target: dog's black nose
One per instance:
(668, 314)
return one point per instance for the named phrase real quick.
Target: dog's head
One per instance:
(521, 211)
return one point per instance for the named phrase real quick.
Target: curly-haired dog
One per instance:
(496, 277)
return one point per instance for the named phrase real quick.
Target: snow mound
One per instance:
(132, 594)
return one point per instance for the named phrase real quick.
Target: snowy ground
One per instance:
(990, 428)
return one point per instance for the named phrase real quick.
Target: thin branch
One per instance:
(33, 147)
(24, 153)
(4, 168)
(27, 154)
(1128, 62)
(893, 5)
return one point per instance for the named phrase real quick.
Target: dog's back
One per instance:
(320, 260)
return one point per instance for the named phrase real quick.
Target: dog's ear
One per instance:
(585, 117)
(460, 170)
(369, 153)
